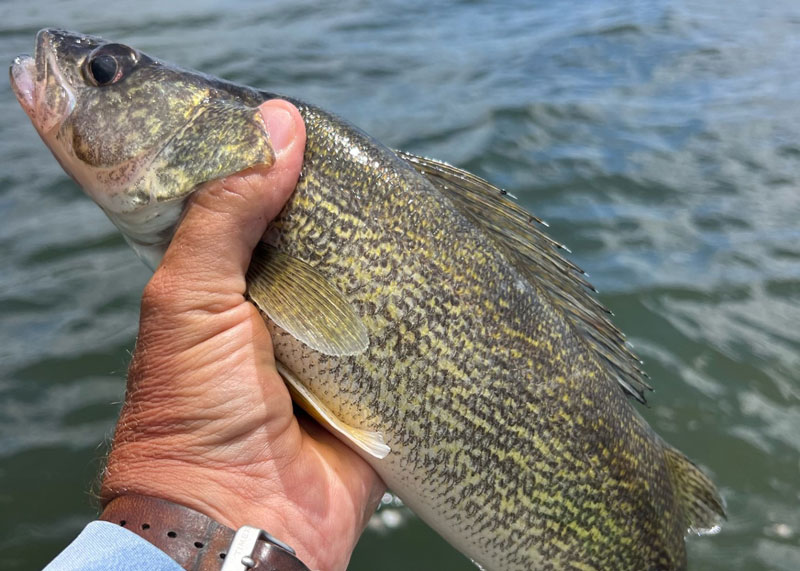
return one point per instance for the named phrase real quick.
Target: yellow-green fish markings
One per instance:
(416, 311)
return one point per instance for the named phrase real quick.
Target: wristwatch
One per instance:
(197, 542)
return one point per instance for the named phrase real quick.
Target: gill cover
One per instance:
(141, 131)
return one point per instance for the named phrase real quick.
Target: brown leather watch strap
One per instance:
(194, 540)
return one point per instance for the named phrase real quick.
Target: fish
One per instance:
(417, 312)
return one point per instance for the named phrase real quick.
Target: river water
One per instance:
(660, 139)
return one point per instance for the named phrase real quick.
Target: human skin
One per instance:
(207, 421)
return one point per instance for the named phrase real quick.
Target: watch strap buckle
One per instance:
(244, 551)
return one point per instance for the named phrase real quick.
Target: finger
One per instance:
(211, 249)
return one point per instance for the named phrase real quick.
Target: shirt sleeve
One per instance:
(104, 546)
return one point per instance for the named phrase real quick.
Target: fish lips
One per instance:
(40, 86)
(23, 81)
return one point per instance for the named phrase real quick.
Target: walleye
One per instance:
(416, 311)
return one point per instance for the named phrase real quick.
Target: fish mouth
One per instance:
(23, 73)
(39, 85)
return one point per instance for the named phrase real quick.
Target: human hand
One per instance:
(207, 421)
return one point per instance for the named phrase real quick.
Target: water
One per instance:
(660, 139)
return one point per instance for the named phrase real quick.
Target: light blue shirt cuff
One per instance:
(104, 546)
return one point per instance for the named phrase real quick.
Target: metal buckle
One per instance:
(240, 553)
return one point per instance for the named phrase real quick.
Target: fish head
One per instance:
(137, 134)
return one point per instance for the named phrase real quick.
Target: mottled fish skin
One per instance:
(508, 434)
(503, 427)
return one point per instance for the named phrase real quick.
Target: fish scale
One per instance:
(465, 405)
(416, 312)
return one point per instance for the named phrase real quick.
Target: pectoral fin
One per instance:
(366, 440)
(304, 303)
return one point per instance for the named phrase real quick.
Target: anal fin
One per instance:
(368, 441)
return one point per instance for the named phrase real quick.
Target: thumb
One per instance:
(206, 261)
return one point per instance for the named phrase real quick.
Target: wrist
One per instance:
(208, 423)
(260, 495)
(197, 542)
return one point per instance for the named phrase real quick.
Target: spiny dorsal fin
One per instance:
(536, 256)
(702, 505)
(305, 304)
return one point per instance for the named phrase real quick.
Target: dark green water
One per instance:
(660, 139)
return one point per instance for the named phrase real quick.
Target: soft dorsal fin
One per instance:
(703, 508)
(305, 304)
(536, 256)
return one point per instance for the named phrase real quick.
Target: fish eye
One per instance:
(104, 69)
(109, 63)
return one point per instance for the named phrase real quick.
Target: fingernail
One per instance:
(280, 126)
